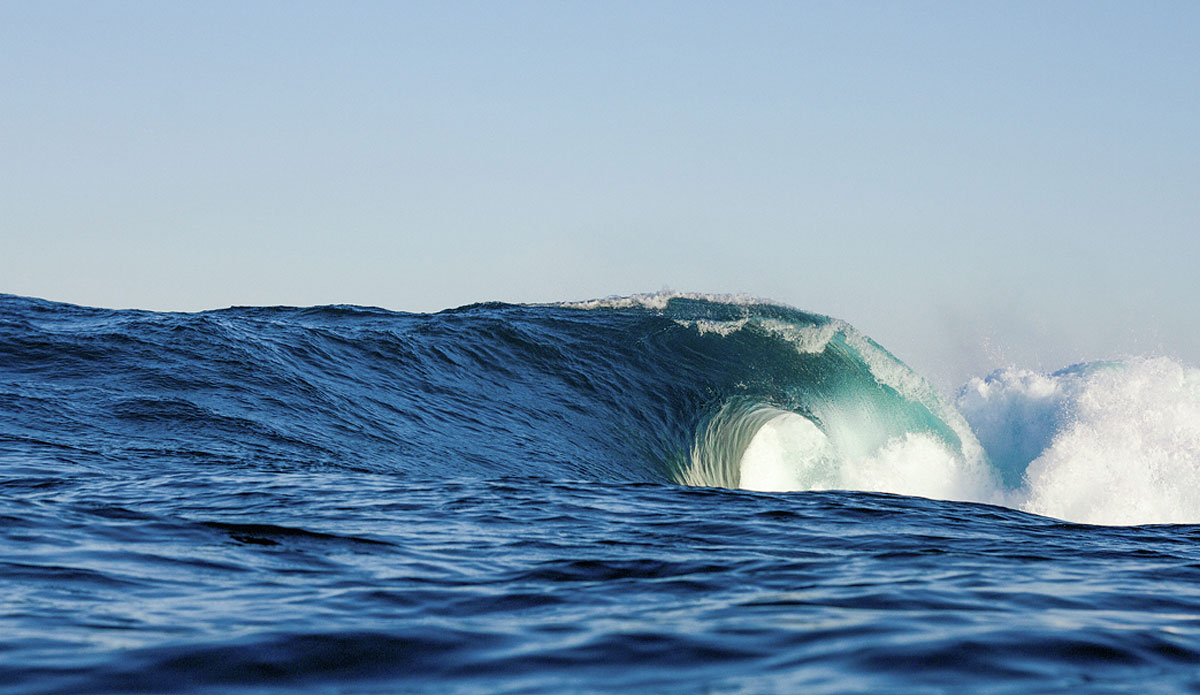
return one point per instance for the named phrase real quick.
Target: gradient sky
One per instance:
(973, 184)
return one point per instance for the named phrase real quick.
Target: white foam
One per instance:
(721, 328)
(1130, 453)
(657, 301)
(789, 453)
(922, 465)
(811, 339)
(1112, 443)
(807, 339)
(1015, 414)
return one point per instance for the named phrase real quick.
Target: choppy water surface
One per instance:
(543, 499)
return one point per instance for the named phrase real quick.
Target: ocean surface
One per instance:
(657, 494)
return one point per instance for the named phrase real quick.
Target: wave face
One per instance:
(692, 389)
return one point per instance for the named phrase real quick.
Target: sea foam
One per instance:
(1103, 443)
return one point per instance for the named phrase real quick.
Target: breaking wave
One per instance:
(696, 389)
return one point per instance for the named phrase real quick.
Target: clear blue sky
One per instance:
(972, 184)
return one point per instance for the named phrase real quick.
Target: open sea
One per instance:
(659, 494)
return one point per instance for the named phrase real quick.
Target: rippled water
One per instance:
(243, 582)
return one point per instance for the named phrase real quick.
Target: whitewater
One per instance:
(661, 493)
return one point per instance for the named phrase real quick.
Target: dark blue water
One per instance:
(348, 500)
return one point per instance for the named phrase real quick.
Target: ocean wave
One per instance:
(702, 390)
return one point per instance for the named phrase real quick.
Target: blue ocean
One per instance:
(668, 493)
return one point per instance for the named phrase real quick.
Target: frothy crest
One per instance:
(658, 301)
(1103, 443)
